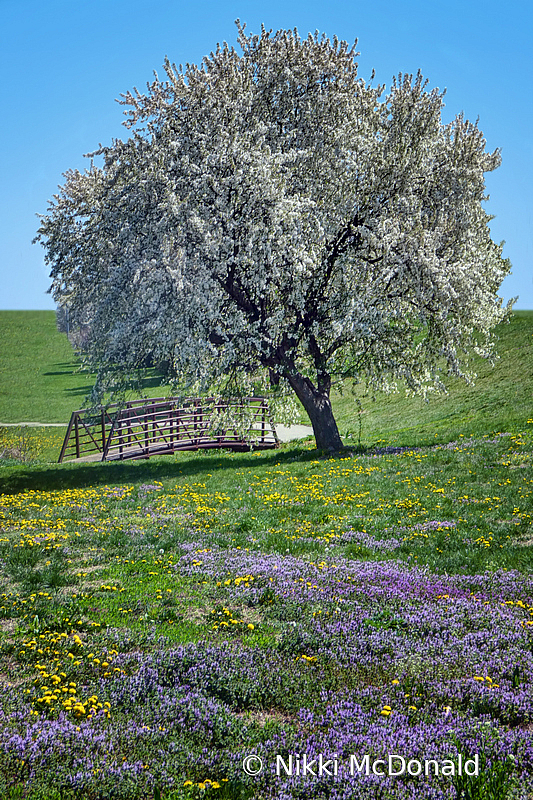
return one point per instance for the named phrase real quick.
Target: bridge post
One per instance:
(172, 410)
(77, 435)
(120, 435)
(129, 423)
(102, 425)
(145, 425)
(195, 421)
(67, 438)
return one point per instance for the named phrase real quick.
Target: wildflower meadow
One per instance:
(270, 625)
(343, 618)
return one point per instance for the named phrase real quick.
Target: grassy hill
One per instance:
(501, 399)
(38, 377)
(40, 382)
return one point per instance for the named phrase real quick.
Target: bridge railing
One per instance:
(86, 434)
(141, 428)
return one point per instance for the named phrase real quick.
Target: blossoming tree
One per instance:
(272, 211)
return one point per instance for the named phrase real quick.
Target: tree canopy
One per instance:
(270, 210)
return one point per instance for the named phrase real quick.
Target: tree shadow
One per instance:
(76, 390)
(60, 372)
(78, 476)
(193, 464)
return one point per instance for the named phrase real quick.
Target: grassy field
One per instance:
(211, 624)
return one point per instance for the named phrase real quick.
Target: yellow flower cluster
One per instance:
(313, 487)
(63, 697)
(227, 620)
(206, 784)
(194, 497)
(12, 601)
(487, 680)
(60, 649)
(244, 579)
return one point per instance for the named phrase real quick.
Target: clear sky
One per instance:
(63, 63)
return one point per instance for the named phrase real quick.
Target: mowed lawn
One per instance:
(277, 625)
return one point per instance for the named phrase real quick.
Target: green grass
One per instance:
(39, 381)
(500, 398)
(91, 563)
(300, 504)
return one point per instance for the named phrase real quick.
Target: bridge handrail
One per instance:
(123, 431)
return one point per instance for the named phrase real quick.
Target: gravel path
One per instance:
(286, 433)
(33, 424)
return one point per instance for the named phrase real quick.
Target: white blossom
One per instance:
(272, 211)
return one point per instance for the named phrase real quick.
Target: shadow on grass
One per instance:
(76, 390)
(153, 382)
(39, 477)
(15, 479)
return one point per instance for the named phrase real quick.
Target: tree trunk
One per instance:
(318, 407)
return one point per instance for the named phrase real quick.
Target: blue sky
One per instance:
(63, 63)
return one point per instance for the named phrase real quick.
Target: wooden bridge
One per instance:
(149, 427)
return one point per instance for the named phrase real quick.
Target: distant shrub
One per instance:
(19, 444)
